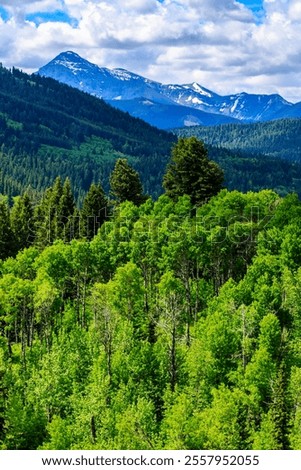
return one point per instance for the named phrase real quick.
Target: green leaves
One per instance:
(164, 331)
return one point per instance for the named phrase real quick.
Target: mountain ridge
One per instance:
(128, 91)
(49, 129)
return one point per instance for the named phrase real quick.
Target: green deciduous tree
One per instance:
(172, 320)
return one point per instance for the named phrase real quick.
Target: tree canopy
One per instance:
(125, 183)
(163, 331)
(191, 172)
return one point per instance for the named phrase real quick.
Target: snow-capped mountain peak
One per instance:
(201, 90)
(109, 84)
(72, 61)
(134, 93)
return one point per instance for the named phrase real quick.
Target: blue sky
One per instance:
(60, 15)
(256, 6)
(54, 16)
(225, 45)
(253, 4)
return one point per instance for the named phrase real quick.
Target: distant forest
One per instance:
(48, 129)
(275, 139)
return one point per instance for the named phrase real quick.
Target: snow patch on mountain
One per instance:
(233, 108)
(120, 85)
(201, 90)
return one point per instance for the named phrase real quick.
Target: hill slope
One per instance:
(279, 139)
(47, 128)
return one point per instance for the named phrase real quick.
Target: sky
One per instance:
(227, 46)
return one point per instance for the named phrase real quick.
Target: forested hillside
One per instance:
(253, 172)
(48, 129)
(279, 139)
(170, 329)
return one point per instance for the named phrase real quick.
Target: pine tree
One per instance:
(22, 222)
(191, 172)
(94, 211)
(6, 235)
(125, 183)
(50, 205)
(280, 409)
(55, 215)
(65, 213)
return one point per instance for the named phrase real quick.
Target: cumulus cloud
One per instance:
(218, 43)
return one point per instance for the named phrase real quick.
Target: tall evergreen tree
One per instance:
(6, 235)
(191, 172)
(65, 213)
(125, 183)
(22, 222)
(94, 211)
(280, 409)
(54, 213)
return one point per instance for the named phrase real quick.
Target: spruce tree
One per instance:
(6, 235)
(280, 409)
(54, 216)
(65, 213)
(94, 211)
(191, 172)
(125, 183)
(22, 222)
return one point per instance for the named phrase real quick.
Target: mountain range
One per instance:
(48, 128)
(166, 106)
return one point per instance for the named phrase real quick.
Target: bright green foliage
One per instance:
(181, 427)
(222, 425)
(295, 423)
(125, 183)
(191, 172)
(165, 331)
(128, 295)
(171, 323)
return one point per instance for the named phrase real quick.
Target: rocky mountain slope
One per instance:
(155, 102)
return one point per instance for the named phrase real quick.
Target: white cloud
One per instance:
(215, 42)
